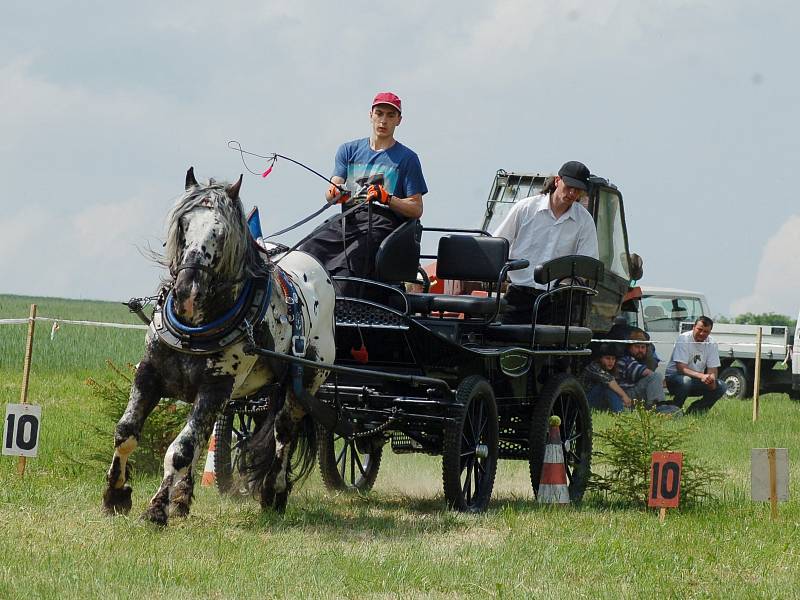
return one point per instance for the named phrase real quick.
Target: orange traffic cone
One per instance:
(208, 471)
(553, 483)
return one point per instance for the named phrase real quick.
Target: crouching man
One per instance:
(637, 378)
(692, 369)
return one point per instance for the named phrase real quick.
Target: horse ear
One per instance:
(233, 190)
(190, 180)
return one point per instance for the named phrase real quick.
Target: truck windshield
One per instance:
(667, 314)
(611, 234)
(507, 189)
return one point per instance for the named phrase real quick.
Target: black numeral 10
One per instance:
(669, 485)
(27, 430)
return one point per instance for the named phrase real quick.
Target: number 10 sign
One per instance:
(665, 479)
(21, 429)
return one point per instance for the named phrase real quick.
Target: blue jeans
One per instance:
(601, 397)
(682, 386)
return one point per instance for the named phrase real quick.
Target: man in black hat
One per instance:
(540, 228)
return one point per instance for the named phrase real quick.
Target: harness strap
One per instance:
(295, 313)
(250, 307)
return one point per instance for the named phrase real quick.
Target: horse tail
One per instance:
(262, 454)
(304, 452)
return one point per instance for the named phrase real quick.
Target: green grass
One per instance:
(397, 542)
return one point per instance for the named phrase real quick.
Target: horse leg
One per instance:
(286, 427)
(144, 396)
(175, 494)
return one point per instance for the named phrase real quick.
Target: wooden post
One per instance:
(773, 483)
(757, 377)
(662, 514)
(26, 372)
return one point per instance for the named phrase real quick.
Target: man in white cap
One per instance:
(539, 228)
(377, 169)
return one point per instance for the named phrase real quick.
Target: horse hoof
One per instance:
(117, 501)
(155, 515)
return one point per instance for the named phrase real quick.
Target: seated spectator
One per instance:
(692, 368)
(639, 379)
(602, 390)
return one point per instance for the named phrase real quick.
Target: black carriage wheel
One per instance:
(344, 465)
(470, 448)
(232, 434)
(563, 396)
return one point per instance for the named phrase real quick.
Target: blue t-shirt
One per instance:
(399, 165)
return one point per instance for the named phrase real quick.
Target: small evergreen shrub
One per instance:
(160, 428)
(621, 464)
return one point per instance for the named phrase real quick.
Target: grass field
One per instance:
(397, 542)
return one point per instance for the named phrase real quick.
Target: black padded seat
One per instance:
(551, 336)
(469, 305)
(419, 303)
(465, 257)
(397, 259)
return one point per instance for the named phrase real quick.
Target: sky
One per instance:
(692, 108)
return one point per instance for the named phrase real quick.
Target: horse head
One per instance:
(208, 248)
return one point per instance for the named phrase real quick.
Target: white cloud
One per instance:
(777, 285)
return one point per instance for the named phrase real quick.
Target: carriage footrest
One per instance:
(403, 444)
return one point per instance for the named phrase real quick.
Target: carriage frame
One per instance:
(441, 375)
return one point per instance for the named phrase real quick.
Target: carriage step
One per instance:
(403, 444)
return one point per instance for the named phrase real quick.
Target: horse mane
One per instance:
(240, 256)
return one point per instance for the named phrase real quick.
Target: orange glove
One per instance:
(335, 195)
(378, 193)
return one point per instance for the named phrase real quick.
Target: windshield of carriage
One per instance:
(611, 234)
(667, 314)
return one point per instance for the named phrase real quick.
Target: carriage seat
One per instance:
(468, 258)
(397, 261)
(570, 280)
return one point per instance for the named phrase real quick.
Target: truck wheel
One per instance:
(736, 383)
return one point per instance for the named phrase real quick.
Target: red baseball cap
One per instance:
(387, 98)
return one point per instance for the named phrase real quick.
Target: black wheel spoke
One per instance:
(352, 461)
(359, 463)
(342, 466)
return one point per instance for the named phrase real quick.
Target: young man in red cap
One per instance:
(377, 169)
(540, 228)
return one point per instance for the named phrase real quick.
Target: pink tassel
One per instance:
(268, 171)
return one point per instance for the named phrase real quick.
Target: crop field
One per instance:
(399, 541)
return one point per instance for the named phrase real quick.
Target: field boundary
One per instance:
(72, 322)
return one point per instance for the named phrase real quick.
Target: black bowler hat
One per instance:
(575, 174)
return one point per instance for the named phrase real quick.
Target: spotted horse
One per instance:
(223, 294)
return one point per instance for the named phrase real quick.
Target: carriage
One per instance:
(423, 365)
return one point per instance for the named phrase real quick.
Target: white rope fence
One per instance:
(57, 322)
(71, 322)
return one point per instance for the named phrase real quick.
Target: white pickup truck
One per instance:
(664, 313)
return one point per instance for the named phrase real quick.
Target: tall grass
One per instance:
(399, 541)
(84, 348)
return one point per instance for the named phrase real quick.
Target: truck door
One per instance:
(605, 204)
